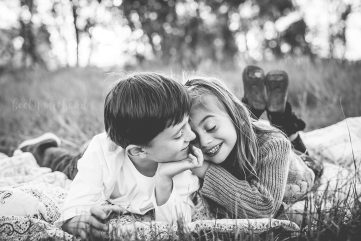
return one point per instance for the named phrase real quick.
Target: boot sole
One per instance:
(276, 86)
(46, 136)
(254, 90)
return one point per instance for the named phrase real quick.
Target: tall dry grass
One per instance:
(69, 102)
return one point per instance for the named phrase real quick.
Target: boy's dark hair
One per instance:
(141, 106)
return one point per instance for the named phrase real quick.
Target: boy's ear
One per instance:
(135, 151)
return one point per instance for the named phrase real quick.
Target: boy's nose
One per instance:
(190, 135)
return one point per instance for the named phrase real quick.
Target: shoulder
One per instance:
(103, 142)
(102, 150)
(273, 142)
(268, 135)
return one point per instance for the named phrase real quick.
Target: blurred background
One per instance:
(58, 58)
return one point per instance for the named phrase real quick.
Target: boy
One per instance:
(141, 163)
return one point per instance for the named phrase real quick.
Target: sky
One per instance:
(111, 43)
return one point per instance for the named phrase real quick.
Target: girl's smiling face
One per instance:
(216, 133)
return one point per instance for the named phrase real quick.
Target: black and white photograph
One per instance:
(223, 120)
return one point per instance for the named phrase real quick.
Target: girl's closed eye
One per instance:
(210, 126)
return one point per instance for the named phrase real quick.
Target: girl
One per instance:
(248, 162)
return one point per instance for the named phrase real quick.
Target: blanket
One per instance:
(339, 148)
(31, 196)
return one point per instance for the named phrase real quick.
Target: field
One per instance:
(69, 101)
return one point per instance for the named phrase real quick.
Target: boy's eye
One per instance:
(180, 134)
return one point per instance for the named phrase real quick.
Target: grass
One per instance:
(69, 102)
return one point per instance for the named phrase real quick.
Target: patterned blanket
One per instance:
(30, 196)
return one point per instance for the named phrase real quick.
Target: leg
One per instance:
(255, 113)
(290, 124)
(280, 114)
(47, 154)
(59, 159)
(279, 111)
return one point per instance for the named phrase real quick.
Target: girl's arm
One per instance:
(258, 198)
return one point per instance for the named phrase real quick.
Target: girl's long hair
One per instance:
(249, 133)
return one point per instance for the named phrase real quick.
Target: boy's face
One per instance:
(172, 144)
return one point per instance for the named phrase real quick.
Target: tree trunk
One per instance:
(75, 7)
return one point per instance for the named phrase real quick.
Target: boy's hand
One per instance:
(170, 169)
(91, 227)
(166, 171)
(201, 171)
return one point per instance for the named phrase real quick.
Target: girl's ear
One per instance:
(135, 151)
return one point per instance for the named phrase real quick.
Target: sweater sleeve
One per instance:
(260, 198)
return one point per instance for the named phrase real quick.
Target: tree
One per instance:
(28, 32)
(75, 14)
(177, 31)
(294, 36)
(337, 30)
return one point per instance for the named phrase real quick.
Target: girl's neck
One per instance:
(232, 166)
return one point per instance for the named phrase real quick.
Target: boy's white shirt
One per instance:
(105, 173)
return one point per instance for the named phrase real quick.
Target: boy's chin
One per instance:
(183, 156)
(178, 158)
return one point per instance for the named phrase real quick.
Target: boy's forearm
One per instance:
(201, 171)
(163, 189)
(65, 226)
(71, 225)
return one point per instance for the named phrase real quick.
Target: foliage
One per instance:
(34, 39)
(185, 32)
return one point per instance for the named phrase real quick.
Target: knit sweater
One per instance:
(260, 198)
